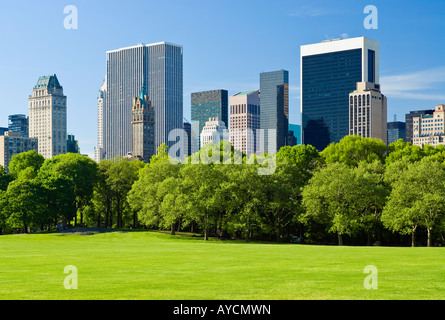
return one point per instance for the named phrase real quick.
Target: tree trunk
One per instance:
(206, 236)
(429, 238)
(340, 239)
(413, 238)
(173, 229)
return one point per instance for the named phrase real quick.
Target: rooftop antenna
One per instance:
(395, 118)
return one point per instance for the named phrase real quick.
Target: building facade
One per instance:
(47, 116)
(274, 101)
(206, 105)
(396, 131)
(368, 112)
(19, 123)
(99, 150)
(12, 143)
(143, 127)
(245, 120)
(409, 122)
(429, 128)
(188, 146)
(72, 145)
(296, 129)
(329, 72)
(213, 132)
(160, 66)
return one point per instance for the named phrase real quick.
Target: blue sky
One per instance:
(226, 45)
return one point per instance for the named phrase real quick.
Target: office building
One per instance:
(72, 145)
(245, 120)
(206, 105)
(159, 65)
(296, 129)
(396, 131)
(274, 101)
(188, 146)
(368, 112)
(19, 123)
(12, 143)
(47, 116)
(429, 128)
(329, 72)
(213, 132)
(143, 127)
(3, 130)
(409, 122)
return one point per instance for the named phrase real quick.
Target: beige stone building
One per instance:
(244, 115)
(47, 117)
(429, 128)
(368, 112)
(213, 131)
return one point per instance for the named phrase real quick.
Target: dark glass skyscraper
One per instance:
(19, 123)
(274, 101)
(329, 72)
(208, 104)
(396, 131)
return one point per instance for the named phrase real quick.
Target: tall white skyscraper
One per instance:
(159, 65)
(330, 71)
(47, 117)
(98, 151)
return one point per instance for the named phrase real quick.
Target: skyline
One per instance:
(247, 38)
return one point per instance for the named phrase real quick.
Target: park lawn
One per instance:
(152, 266)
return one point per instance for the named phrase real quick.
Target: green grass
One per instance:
(150, 265)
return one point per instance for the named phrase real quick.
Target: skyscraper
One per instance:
(206, 105)
(274, 101)
(47, 116)
(329, 72)
(368, 112)
(143, 127)
(159, 65)
(19, 123)
(99, 150)
(245, 121)
(409, 122)
(213, 132)
(12, 143)
(396, 131)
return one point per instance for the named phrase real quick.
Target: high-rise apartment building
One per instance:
(213, 132)
(409, 122)
(19, 123)
(99, 150)
(159, 65)
(368, 112)
(47, 116)
(396, 131)
(143, 127)
(274, 101)
(430, 128)
(329, 72)
(206, 105)
(245, 120)
(12, 143)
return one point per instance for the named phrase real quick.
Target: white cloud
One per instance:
(420, 85)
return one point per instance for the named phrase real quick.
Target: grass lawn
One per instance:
(150, 266)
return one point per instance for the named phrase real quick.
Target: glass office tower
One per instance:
(160, 65)
(206, 105)
(274, 101)
(329, 72)
(19, 123)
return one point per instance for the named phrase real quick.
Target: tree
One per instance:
(330, 198)
(24, 160)
(417, 199)
(81, 170)
(401, 149)
(351, 150)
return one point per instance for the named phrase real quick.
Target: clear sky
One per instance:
(226, 44)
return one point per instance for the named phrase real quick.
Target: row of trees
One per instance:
(357, 191)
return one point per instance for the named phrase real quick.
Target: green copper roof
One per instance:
(245, 93)
(48, 81)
